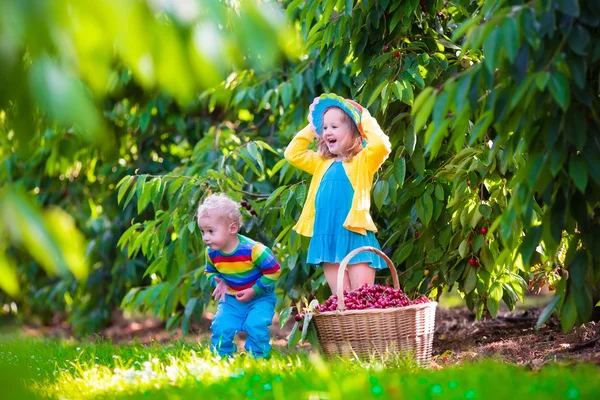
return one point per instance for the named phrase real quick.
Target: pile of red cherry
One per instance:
(366, 296)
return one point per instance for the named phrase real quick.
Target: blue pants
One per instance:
(253, 317)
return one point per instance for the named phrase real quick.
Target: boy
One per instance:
(244, 273)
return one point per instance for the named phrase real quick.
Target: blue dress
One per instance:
(331, 242)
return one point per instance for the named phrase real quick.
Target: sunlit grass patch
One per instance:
(66, 370)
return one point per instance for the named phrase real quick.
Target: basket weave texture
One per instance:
(375, 332)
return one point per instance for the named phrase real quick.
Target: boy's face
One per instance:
(218, 232)
(336, 132)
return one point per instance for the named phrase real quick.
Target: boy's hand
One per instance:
(220, 291)
(245, 295)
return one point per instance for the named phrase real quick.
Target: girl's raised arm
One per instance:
(298, 154)
(378, 144)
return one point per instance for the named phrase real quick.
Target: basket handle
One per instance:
(344, 264)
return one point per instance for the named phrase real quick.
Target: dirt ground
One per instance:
(511, 337)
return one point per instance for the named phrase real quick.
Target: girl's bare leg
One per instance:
(331, 274)
(360, 274)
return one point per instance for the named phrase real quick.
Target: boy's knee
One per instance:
(223, 329)
(257, 326)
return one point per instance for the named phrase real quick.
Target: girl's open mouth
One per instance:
(331, 141)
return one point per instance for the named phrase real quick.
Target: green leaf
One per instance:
(523, 89)
(400, 171)
(541, 79)
(470, 281)
(306, 326)
(531, 241)
(439, 192)
(481, 127)
(295, 336)
(380, 192)
(493, 305)
(444, 235)
(579, 39)
(9, 280)
(578, 172)
(376, 93)
(349, 6)
(416, 77)
(284, 315)
(462, 92)
(568, 314)
(123, 186)
(422, 98)
(286, 94)
(254, 153)
(144, 199)
(46, 236)
(510, 37)
(492, 46)
(395, 20)
(422, 113)
(463, 248)
(410, 140)
(424, 207)
(465, 26)
(547, 311)
(250, 162)
(559, 89)
(485, 210)
(397, 89)
(189, 307)
(477, 242)
(487, 259)
(434, 255)
(569, 7)
(418, 161)
(447, 44)
(408, 95)
(578, 270)
(274, 196)
(496, 291)
(174, 320)
(144, 121)
(403, 252)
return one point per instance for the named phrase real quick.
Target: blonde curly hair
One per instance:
(222, 204)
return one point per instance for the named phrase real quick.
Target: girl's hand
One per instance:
(245, 295)
(220, 291)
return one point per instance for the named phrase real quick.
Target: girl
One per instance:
(351, 148)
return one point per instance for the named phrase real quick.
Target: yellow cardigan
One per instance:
(360, 170)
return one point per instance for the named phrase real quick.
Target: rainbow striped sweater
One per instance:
(251, 264)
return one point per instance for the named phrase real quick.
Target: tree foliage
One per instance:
(491, 107)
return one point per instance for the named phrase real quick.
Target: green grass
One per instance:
(63, 369)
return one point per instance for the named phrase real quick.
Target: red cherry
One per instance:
(484, 231)
(473, 262)
(417, 234)
(244, 203)
(300, 326)
(253, 213)
(397, 54)
(469, 183)
(299, 317)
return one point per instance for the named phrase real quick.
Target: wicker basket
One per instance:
(375, 332)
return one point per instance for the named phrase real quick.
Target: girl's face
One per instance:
(336, 132)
